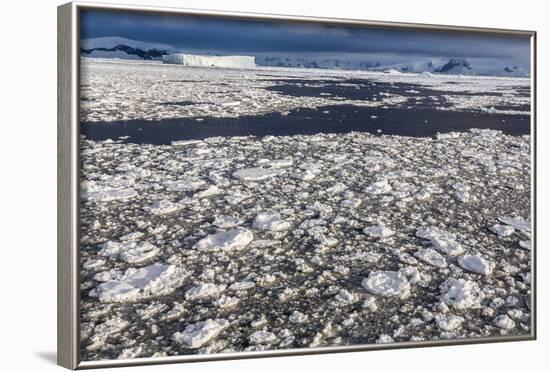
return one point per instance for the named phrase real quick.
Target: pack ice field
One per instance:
(229, 210)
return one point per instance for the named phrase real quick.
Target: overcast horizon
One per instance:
(260, 38)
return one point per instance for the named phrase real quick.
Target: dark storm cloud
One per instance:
(245, 36)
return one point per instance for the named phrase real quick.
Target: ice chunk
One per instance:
(461, 294)
(184, 143)
(204, 291)
(137, 253)
(443, 241)
(162, 207)
(388, 284)
(525, 244)
(378, 231)
(504, 322)
(476, 264)
(106, 329)
(108, 194)
(129, 251)
(226, 240)
(502, 230)
(196, 335)
(448, 322)
(262, 337)
(210, 191)
(226, 302)
(517, 222)
(185, 185)
(297, 317)
(379, 187)
(137, 284)
(270, 221)
(257, 174)
(227, 222)
(431, 257)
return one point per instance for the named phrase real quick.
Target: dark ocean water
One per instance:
(406, 119)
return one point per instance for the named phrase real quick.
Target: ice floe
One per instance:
(136, 284)
(461, 293)
(388, 284)
(476, 264)
(201, 333)
(226, 240)
(270, 221)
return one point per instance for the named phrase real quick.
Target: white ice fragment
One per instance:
(270, 221)
(379, 187)
(351, 203)
(136, 253)
(504, 322)
(476, 264)
(108, 194)
(388, 284)
(257, 174)
(184, 185)
(502, 230)
(226, 240)
(196, 335)
(443, 241)
(226, 302)
(448, 322)
(203, 291)
(184, 143)
(227, 222)
(297, 317)
(136, 284)
(517, 222)
(384, 339)
(432, 257)
(378, 231)
(262, 337)
(461, 294)
(525, 244)
(241, 286)
(210, 191)
(161, 207)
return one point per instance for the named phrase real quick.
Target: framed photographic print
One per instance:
(236, 185)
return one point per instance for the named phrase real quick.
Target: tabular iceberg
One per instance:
(210, 61)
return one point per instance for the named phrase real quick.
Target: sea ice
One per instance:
(504, 322)
(262, 337)
(270, 221)
(517, 222)
(388, 284)
(443, 241)
(379, 187)
(502, 230)
(162, 207)
(226, 240)
(136, 284)
(378, 231)
(257, 174)
(198, 334)
(476, 264)
(432, 257)
(204, 291)
(448, 322)
(461, 294)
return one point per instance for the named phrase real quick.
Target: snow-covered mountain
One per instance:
(123, 48)
(120, 47)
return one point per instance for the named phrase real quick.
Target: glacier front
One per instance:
(210, 61)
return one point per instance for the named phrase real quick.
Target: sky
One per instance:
(261, 38)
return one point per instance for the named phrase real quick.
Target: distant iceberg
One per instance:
(210, 61)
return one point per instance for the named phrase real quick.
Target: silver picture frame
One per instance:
(68, 263)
